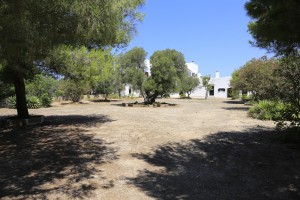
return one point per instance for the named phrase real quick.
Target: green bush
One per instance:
(45, 100)
(246, 97)
(269, 110)
(33, 102)
(11, 102)
(113, 96)
(234, 94)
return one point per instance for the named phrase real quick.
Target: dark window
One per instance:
(212, 91)
(221, 90)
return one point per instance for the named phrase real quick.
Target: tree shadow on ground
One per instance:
(226, 165)
(237, 108)
(234, 102)
(52, 158)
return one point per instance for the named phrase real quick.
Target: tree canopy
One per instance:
(168, 66)
(256, 76)
(132, 64)
(275, 25)
(30, 29)
(188, 84)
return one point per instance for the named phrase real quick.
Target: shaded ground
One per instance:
(196, 150)
(225, 165)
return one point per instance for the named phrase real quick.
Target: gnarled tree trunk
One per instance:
(150, 98)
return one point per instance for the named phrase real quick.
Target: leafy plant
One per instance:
(269, 110)
(11, 102)
(33, 102)
(46, 100)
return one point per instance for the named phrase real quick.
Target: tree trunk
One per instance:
(19, 85)
(151, 98)
(206, 93)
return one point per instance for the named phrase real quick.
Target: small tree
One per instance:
(167, 68)
(189, 84)
(206, 85)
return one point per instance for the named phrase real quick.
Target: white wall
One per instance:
(221, 83)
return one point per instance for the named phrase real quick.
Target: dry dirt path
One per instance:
(196, 150)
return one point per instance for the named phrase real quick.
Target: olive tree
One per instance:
(168, 66)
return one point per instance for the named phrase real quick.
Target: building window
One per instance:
(212, 91)
(221, 90)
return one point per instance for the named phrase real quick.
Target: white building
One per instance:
(220, 89)
(220, 85)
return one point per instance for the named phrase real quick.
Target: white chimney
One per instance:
(217, 74)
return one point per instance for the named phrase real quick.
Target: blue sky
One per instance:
(213, 33)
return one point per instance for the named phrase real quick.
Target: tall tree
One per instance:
(133, 68)
(168, 66)
(275, 25)
(29, 29)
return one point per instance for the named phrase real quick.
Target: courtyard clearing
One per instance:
(198, 149)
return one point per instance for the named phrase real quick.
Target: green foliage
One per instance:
(11, 102)
(188, 84)
(6, 90)
(182, 96)
(133, 66)
(269, 110)
(96, 70)
(113, 96)
(287, 87)
(31, 29)
(246, 97)
(33, 102)
(275, 25)
(234, 94)
(168, 67)
(73, 90)
(40, 85)
(256, 76)
(45, 100)
(205, 83)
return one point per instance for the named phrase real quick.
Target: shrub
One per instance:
(33, 102)
(246, 97)
(45, 100)
(11, 102)
(269, 110)
(113, 96)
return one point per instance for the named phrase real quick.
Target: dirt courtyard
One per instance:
(198, 149)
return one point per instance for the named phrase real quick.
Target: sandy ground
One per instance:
(199, 149)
